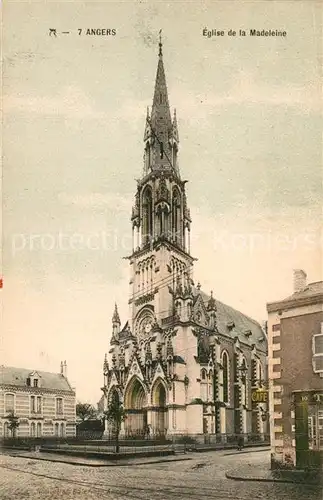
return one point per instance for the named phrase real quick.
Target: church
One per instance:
(182, 362)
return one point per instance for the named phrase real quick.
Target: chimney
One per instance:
(299, 280)
(63, 368)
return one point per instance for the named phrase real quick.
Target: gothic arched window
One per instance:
(176, 206)
(260, 374)
(148, 155)
(225, 364)
(147, 215)
(244, 383)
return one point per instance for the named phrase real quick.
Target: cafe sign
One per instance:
(259, 396)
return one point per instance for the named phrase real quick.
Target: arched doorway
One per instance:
(160, 412)
(135, 406)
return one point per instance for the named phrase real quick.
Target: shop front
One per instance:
(308, 428)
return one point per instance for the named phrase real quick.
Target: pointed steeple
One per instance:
(115, 317)
(161, 134)
(160, 109)
(115, 324)
(174, 127)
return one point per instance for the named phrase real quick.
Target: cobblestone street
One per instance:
(201, 477)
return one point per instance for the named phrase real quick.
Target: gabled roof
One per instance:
(18, 376)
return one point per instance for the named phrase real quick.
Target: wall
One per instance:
(47, 417)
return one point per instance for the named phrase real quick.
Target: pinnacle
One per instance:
(115, 317)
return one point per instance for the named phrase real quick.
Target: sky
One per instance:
(249, 115)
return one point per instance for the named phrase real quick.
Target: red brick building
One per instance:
(295, 362)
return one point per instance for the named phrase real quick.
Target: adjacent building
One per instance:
(295, 333)
(43, 402)
(182, 362)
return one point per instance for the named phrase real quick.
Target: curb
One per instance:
(89, 464)
(224, 448)
(268, 480)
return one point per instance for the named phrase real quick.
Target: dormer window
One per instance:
(34, 380)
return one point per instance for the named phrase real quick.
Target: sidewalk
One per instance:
(262, 473)
(94, 462)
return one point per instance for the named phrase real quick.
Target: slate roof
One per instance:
(18, 376)
(242, 324)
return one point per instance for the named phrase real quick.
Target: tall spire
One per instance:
(160, 110)
(159, 134)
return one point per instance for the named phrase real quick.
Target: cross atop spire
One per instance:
(160, 53)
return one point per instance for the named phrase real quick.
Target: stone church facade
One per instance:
(183, 363)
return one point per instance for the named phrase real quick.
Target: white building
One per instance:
(183, 362)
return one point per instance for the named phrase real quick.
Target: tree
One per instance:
(115, 414)
(13, 423)
(85, 411)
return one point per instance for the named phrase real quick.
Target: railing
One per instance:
(180, 443)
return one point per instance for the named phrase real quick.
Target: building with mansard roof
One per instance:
(43, 402)
(183, 362)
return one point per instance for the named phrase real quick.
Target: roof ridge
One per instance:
(30, 369)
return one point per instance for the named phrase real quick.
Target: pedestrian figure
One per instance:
(148, 431)
(240, 442)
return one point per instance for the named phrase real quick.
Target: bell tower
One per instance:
(160, 218)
